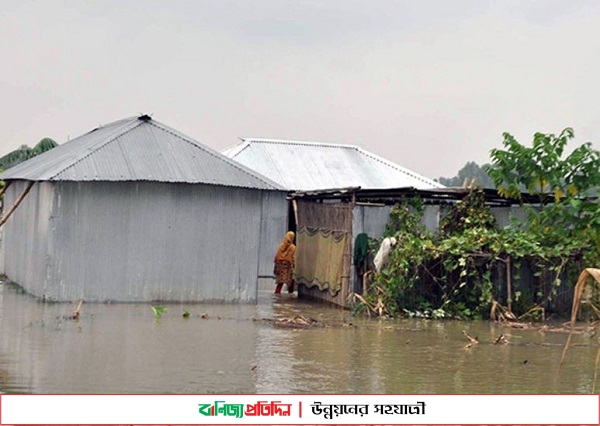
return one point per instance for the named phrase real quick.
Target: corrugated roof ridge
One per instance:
(236, 149)
(118, 133)
(215, 154)
(296, 142)
(398, 167)
(123, 121)
(58, 161)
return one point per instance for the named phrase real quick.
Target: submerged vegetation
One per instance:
(471, 267)
(583, 295)
(158, 311)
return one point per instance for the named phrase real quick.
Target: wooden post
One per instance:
(508, 285)
(16, 204)
(347, 256)
(295, 207)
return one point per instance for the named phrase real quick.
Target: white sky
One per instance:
(427, 84)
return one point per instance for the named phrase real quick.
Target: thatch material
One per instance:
(579, 293)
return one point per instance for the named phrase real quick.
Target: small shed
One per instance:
(135, 211)
(330, 220)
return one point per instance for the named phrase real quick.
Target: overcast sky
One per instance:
(427, 84)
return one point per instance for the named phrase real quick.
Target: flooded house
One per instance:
(325, 229)
(135, 211)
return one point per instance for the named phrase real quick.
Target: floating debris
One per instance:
(299, 321)
(75, 315)
(519, 325)
(500, 313)
(501, 340)
(472, 340)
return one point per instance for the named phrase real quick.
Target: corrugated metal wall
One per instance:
(504, 215)
(142, 241)
(272, 229)
(26, 234)
(370, 220)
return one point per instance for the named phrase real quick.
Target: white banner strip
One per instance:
(300, 409)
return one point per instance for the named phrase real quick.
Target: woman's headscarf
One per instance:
(286, 250)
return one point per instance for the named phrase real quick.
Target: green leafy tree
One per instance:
(15, 157)
(470, 172)
(541, 168)
(565, 185)
(24, 153)
(44, 145)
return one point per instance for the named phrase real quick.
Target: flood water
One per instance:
(122, 348)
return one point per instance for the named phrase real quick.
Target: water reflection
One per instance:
(121, 348)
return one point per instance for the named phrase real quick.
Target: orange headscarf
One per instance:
(286, 250)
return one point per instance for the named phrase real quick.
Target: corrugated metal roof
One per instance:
(303, 166)
(137, 149)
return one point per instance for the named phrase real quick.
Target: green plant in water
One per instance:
(457, 272)
(185, 314)
(158, 311)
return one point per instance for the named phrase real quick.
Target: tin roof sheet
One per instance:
(302, 166)
(137, 149)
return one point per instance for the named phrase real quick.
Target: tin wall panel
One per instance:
(274, 225)
(25, 237)
(144, 241)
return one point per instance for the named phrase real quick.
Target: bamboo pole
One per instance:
(16, 204)
(364, 203)
(508, 285)
(596, 371)
(346, 266)
(6, 185)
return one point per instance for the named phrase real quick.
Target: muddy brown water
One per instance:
(122, 348)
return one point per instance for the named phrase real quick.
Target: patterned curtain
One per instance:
(321, 241)
(319, 258)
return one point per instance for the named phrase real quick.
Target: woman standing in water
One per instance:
(284, 264)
